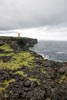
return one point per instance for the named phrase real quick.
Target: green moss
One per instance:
(6, 47)
(6, 54)
(34, 79)
(21, 73)
(6, 83)
(18, 60)
(1, 89)
(62, 79)
(63, 76)
(43, 70)
(10, 81)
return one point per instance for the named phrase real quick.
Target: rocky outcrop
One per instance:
(18, 43)
(32, 77)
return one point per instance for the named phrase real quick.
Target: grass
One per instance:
(62, 79)
(43, 70)
(34, 79)
(6, 47)
(6, 83)
(18, 60)
(21, 73)
(63, 76)
(6, 54)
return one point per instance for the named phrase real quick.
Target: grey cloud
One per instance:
(19, 14)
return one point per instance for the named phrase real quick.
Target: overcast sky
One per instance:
(41, 19)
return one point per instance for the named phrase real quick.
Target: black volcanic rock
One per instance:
(44, 80)
(27, 83)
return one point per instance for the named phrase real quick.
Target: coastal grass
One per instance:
(34, 79)
(6, 54)
(6, 84)
(63, 78)
(21, 73)
(43, 70)
(6, 47)
(18, 60)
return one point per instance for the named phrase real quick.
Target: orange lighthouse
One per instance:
(18, 35)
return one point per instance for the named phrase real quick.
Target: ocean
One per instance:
(52, 50)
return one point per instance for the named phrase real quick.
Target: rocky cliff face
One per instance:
(18, 43)
(25, 75)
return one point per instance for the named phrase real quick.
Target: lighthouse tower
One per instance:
(18, 35)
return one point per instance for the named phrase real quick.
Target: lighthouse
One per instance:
(18, 35)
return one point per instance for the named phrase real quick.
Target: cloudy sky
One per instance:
(41, 19)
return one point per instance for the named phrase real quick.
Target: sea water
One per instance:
(52, 50)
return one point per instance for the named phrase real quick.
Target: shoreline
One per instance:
(53, 54)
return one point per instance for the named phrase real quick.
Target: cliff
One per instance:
(18, 43)
(25, 75)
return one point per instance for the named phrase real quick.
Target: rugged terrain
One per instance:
(25, 75)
